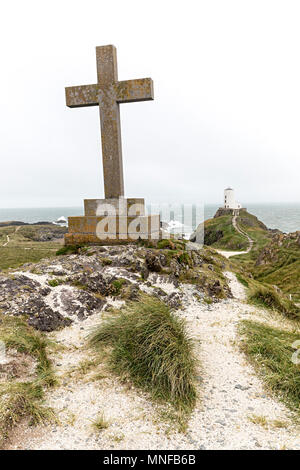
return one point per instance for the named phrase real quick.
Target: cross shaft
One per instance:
(108, 93)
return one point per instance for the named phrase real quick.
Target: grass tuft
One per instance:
(19, 399)
(69, 250)
(55, 282)
(268, 297)
(259, 420)
(117, 286)
(270, 350)
(150, 346)
(22, 400)
(100, 422)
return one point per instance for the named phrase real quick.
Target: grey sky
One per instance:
(226, 110)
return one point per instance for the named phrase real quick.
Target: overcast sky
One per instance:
(226, 110)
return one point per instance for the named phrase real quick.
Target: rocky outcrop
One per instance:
(274, 250)
(55, 292)
(222, 211)
(43, 233)
(21, 295)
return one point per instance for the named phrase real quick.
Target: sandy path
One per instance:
(229, 391)
(229, 254)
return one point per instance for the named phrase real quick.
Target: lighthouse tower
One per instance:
(229, 200)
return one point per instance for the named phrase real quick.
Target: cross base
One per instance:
(113, 221)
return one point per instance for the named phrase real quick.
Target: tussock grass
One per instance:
(17, 334)
(150, 346)
(262, 421)
(268, 297)
(100, 423)
(19, 399)
(106, 261)
(270, 350)
(259, 420)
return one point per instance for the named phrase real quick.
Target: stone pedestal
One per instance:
(112, 221)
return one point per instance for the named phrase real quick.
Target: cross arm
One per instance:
(134, 90)
(85, 95)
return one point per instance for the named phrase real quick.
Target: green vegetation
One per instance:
(149, 346)
(117, 285)
(20, 249)
(20, 397)
(279, 264)
(69, 250)
(55, 282)
(268, 297)
(274, 258)
(17, 334)
(271, 350)
(260, 236)
(171, 244)
(286, 277)
(242, 280)
(100, 423)
(220, 233)
(276, 263)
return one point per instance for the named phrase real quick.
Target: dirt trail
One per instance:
(229, 254)
(7, 242)
(230, 392)
(242, 232)
(8, 238)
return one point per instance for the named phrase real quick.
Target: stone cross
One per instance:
(108, 93)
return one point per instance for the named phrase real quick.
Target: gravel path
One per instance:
(242, 232)
(230, 393)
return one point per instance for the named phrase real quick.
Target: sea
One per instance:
(178, 218)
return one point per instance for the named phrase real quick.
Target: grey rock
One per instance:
(242, 387)
(221, 422)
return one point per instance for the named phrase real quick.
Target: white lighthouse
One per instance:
(229, 200)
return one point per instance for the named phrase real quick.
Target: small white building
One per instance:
(229, 200)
